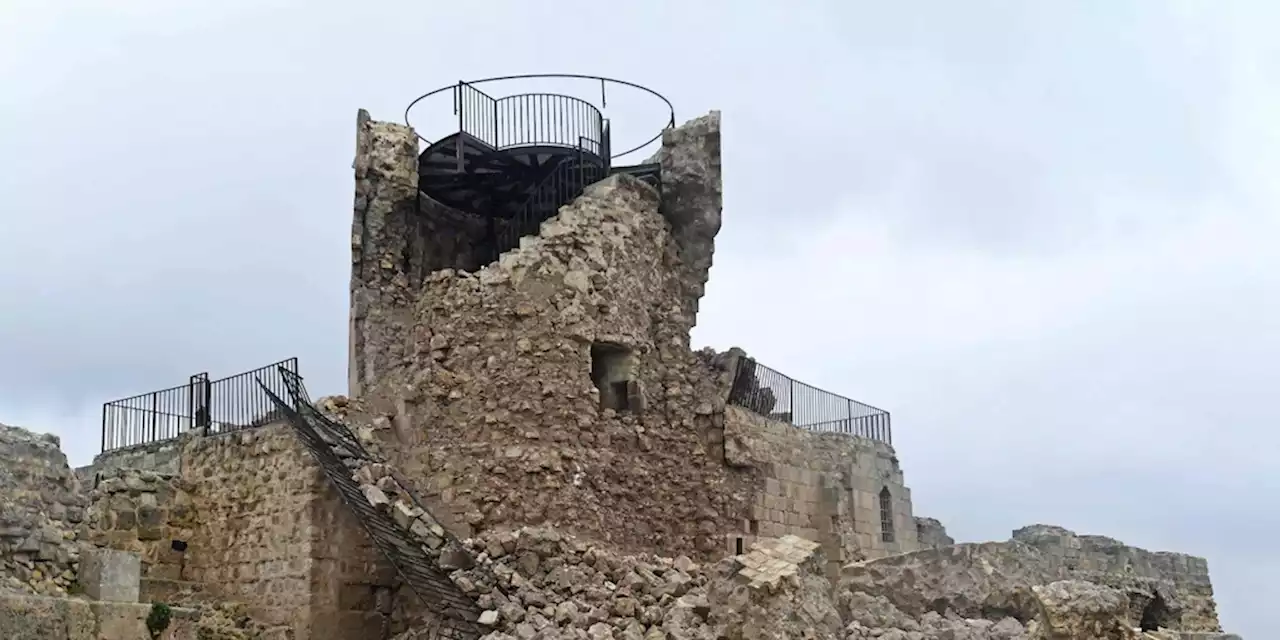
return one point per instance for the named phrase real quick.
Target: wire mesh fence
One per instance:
(218, 406)
(775, 395)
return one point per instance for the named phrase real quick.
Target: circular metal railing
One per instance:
(538, 119)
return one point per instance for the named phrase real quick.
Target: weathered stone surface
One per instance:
(776, 591)
(552, 387)
(28, 617)
(692, 199)
(825, 487)
(988, 580)
(931, 534)
(526, 417)
(143, 512)
(1012, 579)
(1089, 556)
(1074, 609)
(110, 575)
(40, 506)
(550, 585)
(160, 457)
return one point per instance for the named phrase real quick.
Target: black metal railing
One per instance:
(237, 402)
(540, 118)
(529, 119)
(155, 416)
(477, 113)
(219, 406)
(775, 395)
(536, 119)
(565, 182)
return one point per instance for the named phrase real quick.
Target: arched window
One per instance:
(886, 515)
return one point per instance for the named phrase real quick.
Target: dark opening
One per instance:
(180, 546)
(620, 396)
(886, 515)
(1155, 615)
(737, 546)
(611, 366)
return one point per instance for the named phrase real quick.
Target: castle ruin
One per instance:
(530, 447)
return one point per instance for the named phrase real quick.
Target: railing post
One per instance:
(104, 426)
(606, 145)
(794, 420)
(155, 414)
(459, 110)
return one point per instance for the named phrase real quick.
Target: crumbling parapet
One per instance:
(932, 534)
(41, 505)
(386, 201)
(692, 200)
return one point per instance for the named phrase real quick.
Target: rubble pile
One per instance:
(538, 583)
(876, 617)
(383, 488)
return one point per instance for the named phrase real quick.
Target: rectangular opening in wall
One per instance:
(754, 527)
(611, 369)
(737, 546)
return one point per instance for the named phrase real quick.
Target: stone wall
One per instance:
(821, 486)
(352, 586)
(1085, 554)
(150, 514)
(973, 580)
(40, 508)
(396, 240)
(248, 517)
(161, 457)
(270, 530)
(499, 416)
(556, 385)
(931, 534)
(46, 618)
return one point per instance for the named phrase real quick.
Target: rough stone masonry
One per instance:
(40, 506)
(584, 473)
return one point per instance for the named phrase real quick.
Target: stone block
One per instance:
(110, 575)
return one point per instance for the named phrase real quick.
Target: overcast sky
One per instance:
(1041, 234)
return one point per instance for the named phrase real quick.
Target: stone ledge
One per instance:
(24, 617)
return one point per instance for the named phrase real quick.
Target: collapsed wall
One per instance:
(563, 370)
(931, 534)
(509, 408)
(557, 386)
(1161, 590)
(40, 507)
(1107, 560)
(536, 582)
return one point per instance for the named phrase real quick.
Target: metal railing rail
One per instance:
(237, 402)
(553, 119)
(218, 406)
(772, 394)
